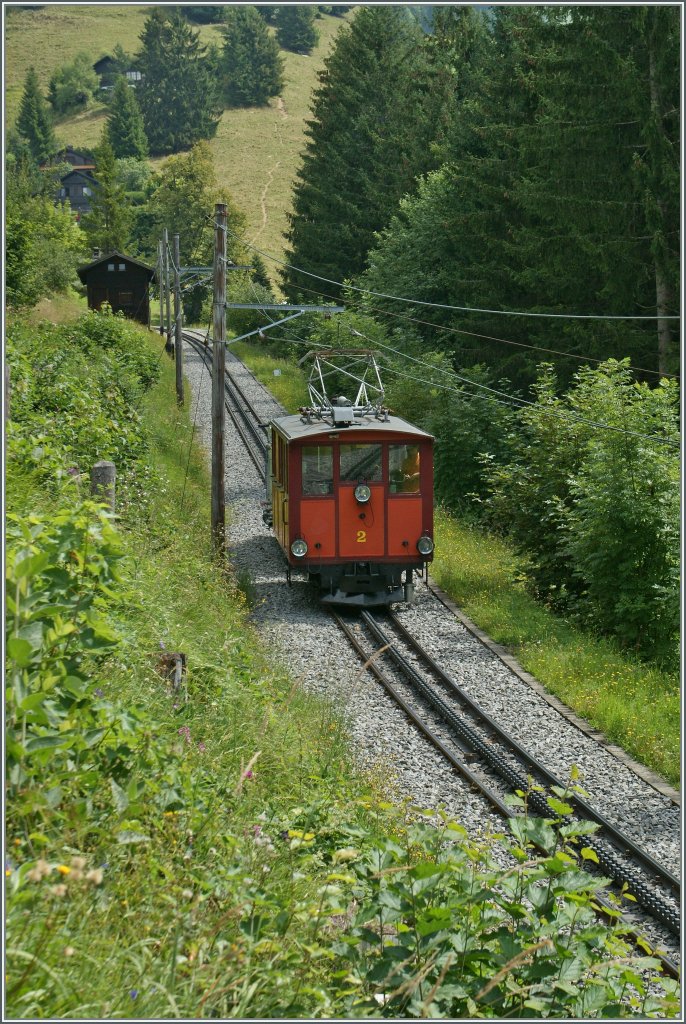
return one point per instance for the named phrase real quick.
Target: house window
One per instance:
(133, 76)
(122, 266)
(126, 298)
(86, 191)
(110, 266)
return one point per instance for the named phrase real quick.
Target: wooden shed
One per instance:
(120, 280)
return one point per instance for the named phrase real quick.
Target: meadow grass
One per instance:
(288, 386)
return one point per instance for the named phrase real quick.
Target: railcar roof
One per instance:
(294, 428)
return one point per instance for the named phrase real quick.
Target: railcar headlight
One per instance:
(299, 548)
(425, 545)
(363, 493)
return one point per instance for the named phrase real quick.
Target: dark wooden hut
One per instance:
(121, 281)
(78, 187)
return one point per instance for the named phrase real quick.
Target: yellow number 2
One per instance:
(361, 536)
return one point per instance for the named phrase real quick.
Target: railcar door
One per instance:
(361, 526)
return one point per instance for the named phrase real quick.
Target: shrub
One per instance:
(73, 86)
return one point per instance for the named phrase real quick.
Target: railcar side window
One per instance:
(361, 462)
(403, 468)
(317, 467)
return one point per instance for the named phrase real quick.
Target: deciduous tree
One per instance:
(73, 86)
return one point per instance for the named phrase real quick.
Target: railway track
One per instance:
(469, 739)
(496, 764)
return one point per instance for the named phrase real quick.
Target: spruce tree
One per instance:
(108, 225)
(295, 28)
(251, 68)
(34, 122)
(178, 94)
(375, 116)
(124, 126)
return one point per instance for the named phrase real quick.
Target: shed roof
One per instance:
(294, 428)
(87, 267)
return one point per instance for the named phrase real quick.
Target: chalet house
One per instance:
(80, 159)
(107, 70)
(121, 281)
(78, 186)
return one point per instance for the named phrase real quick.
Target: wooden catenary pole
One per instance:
(218, 369)
(165, 254)
(160, 282)
(178, 318)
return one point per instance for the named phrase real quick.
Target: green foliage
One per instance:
(73, 87)
(361, 157)
(185, 192)
(108, 225)
(57, 423)
(543, 204)
(34, 122)
(295, 28)
(251, 69)
(133, 175)
(43, 244)
(124, 128)
(597, 509)
(178, 95)
(240, 288)
(443, 932)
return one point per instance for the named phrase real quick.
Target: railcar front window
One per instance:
(360, 462)
(317, 470)
(403, 468)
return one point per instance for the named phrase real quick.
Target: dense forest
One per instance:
(524, 161)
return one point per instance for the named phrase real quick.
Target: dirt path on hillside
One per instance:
(263, 200)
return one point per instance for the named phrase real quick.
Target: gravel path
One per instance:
(303, 635)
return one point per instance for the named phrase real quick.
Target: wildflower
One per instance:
(99, 692)
(201, 747)
(63, 869)
(58, 890)
(78, 862)
(247, 775)
(133, 993)
(185, 732)
(76, 874)
(68, 951)
(95, 876)
(187, 894)
(34, 875)
(43, 866)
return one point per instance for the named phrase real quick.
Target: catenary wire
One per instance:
(484, 337)
(440, 305)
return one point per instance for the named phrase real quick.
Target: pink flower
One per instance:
(185, 732)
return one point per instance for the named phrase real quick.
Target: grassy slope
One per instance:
(256, 149)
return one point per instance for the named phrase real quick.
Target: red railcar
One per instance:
(352, 502)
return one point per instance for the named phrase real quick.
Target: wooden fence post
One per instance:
(103, 483)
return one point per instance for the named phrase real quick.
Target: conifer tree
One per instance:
(251, 68)
(108, 225)
(124, 126)
(375, 116)
(295, 28)
(178, 94)
(34, 122)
